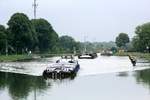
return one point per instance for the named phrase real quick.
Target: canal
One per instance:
(106, 78)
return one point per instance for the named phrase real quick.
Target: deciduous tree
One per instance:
(22, 31)
(122, 39)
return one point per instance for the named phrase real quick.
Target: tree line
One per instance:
(37, 35)
(139, 43)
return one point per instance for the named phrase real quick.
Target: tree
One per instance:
(142, 39)
(2, 28)
(3, 39)
(122, 39)
(54, 42)
(22, 32)
(46, 35)
(136, 44)
(67, 43)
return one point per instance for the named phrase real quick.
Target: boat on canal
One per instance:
(106, 53)
(63, 68)
(87, 56)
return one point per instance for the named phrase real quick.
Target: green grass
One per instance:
(13, 58)
(136, 54)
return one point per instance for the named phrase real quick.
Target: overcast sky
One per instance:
(97, 20)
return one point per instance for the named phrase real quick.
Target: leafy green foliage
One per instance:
(122, 40)
(2, 28)
(24, 35)
(67, 43)
(142, 39)
(46, 35)
(3, 39)
(22, 31)
(96, 46)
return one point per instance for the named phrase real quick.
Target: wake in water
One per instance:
(102, 64)
(105, 64)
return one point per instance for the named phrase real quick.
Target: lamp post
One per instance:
(147, 48)
(35, 8)
(6, 47)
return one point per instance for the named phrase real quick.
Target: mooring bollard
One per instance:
(133, 60)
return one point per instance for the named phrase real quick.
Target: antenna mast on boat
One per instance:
(35, 8)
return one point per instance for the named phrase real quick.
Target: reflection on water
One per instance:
(143, 77)
(120, 86)
(103, 78)
(123, 74)
(19, 86)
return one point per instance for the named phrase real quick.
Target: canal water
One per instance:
(106, 78)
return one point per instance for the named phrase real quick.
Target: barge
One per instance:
(63, 68)
(107, 53)
(88, 56)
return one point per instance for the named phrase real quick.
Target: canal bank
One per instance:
(14, 58)
(27, 57)
(145, 56)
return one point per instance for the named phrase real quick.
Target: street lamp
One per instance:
(6, 47)
(147, 48)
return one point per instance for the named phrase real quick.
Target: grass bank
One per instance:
(136, 54)
(53, 55)
(13, 58)
(25, 57)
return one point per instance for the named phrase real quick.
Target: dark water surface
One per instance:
(105, 78)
